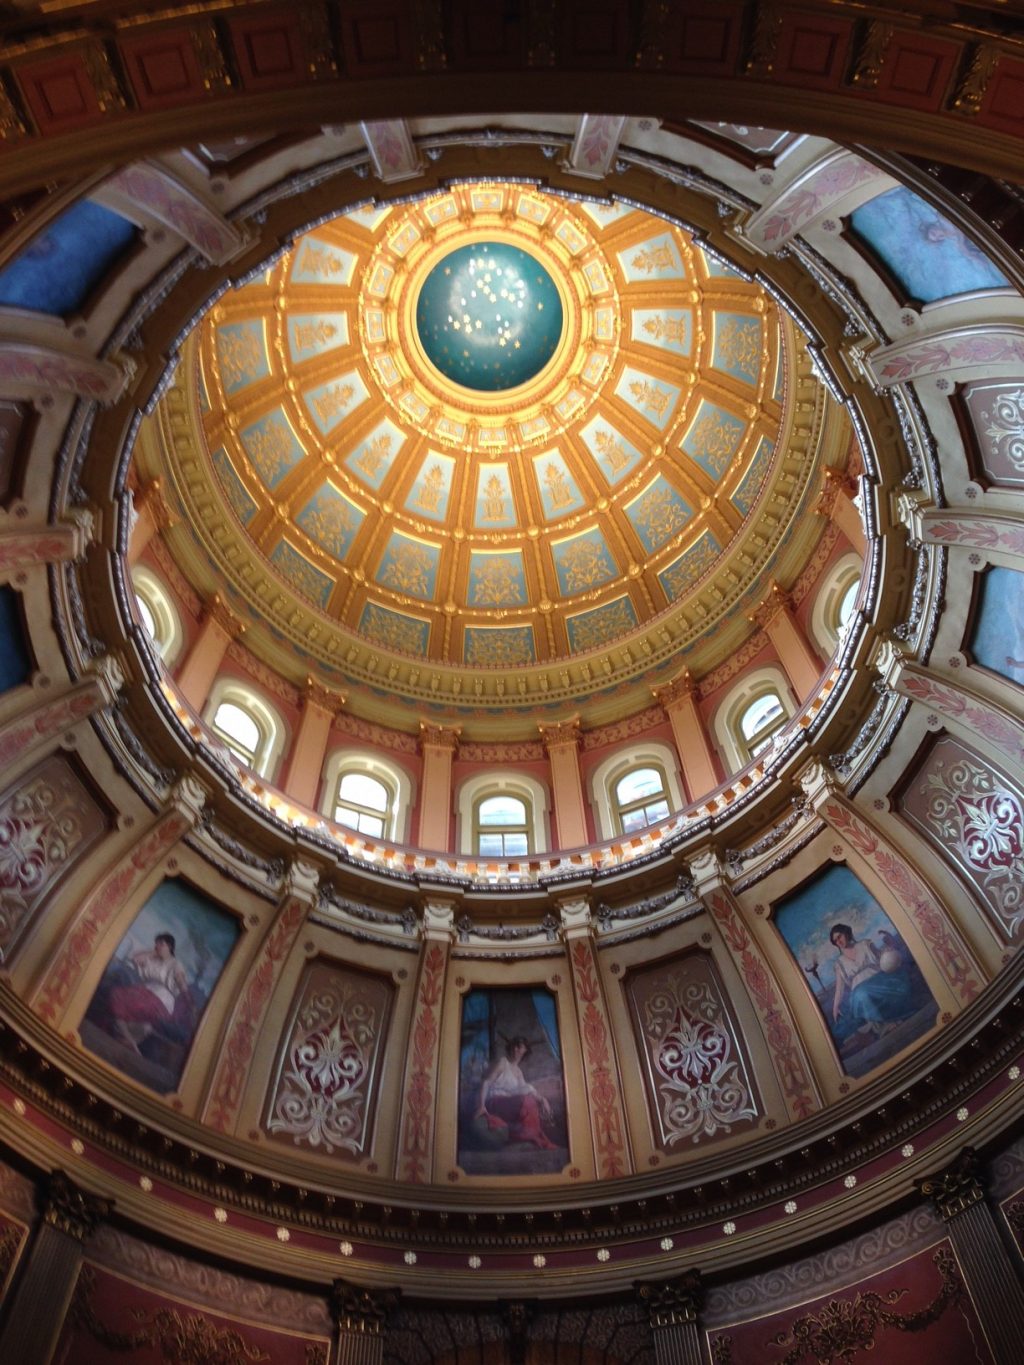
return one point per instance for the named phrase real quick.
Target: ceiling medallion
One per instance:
(489, 316)
(454, 396)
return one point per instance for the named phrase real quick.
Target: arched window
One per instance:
(363, 803)
(248, 725)
(157, 614)
(494, 805)
(751, 715)
(834, 603)
(501, 827)
(635, 786)
(641, 799)
(368, 794)
(760, 721)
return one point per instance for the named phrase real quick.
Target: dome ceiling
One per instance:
(499, 428)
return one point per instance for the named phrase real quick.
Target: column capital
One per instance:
(361, 1311)
(188, 795)
(217, 610)
(316, 693)
(707, 871)
(888, 658)
(565, 732)
(957, 1188)
(834, 482)
(439, 920)
(575, 916)
(765, 612)
(151, 500)
(439, 737)
(673, 1302)
(72, 1210)
(678, 689)
(818, 781)
(109, 671)
(301, 881)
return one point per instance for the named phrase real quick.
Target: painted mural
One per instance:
(929, 255)
(997, 637)
(144, 1014)
(511, 1085)
(871, 993)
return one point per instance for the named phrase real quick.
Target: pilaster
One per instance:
(992, 1279)
(309, 749)
(776, 616)
(416, 1146)
(604, 1090)
(696, 755)
(43, 1291)
(218, 628)
(438, 747)
(674, 1307)
(562, 743)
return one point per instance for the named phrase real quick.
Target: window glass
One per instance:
(364, 790)
(238, 728)
(846, 604)
(759, 714)
(148, 620)
(502, 810)
(638, 784)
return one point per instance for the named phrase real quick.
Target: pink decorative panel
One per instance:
(48, 823)
(326, 1089)
(695, 1072)
(973, 815)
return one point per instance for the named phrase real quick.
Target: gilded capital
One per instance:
(325, 698)
(673, 1302)
(777, 601)
(72, 1210)
(677, 690)
(360, 1311)
(438, 737)
(217, 610)
(957, 1188)
(566, 733)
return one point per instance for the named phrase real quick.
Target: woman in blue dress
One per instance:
(866, 997)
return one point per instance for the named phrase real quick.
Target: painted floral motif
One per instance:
(701, 1086)
(46, 824)
(971, 811)
(323, 1096)
(1005, 427)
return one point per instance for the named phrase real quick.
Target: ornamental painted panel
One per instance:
(146, 1010)
(325, 1094)
(871, 993)
(992, 418)
(917, 1312)
(48, 823)
(511, 1118)
(111, 1314)
(973, 815)
(694, 1069)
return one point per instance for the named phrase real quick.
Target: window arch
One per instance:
(834, 603)
(368, 794)
(157, 612)
(611, 803)
(751, 716)
(248, 725)
(510, 807)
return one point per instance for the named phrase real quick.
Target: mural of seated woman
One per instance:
(151, 996)
(509, 1101)
(872, 993)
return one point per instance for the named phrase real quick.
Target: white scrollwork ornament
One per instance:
(702, 1089)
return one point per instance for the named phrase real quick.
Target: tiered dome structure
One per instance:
(512, 730)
